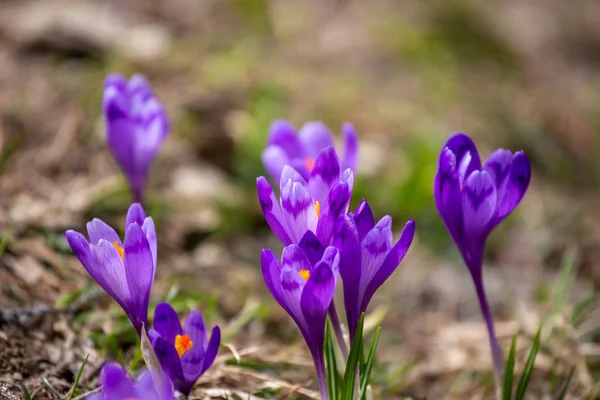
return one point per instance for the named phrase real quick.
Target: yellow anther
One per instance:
(304, 273)
(119, 250)
(318, 209)
(182, 344)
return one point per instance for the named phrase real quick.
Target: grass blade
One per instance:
(568, 270)
(26, 393)
(4, 241)
(581, 309)
(528, 369)
(50, 388)
(509, 371)
(563, 390)
(332, 378)
(368, 366)
(353, 359)
(78, 377)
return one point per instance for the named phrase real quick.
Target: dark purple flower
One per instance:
(124, 271)
(472, 200)
(285, 147)
(184, 354)
(136, 125)
(117, 385)
(368, 256)
(312, 205)
(304, 284)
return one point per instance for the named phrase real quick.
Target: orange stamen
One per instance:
(318, 209)
(304, 273)
(182, 344)
(119, 250)
(310, 163)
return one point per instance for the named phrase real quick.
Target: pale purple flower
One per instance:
(368, 256)
(472, 200)
(125, 270)
(307, 205)
(300, 150)
(117, 385)
(303, 283)
(136, 126)
(184, 353)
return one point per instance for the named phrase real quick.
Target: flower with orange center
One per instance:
(303, 283)
(184, 352)
(123, 267)
(301, 148)
(307, 205)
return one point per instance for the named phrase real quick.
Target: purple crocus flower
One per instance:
(124, 271)
(285, 147)
(117, 385)
(312, 205)
(304, 285)
(473, 200)
(136, 125)
(184, 354)
(368, 256)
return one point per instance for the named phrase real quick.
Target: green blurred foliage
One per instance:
(254, 15)
(405, 189)
(456, 36)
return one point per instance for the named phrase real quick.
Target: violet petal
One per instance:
(478, 203)
(195, 327)
(271, 210)
(350, 138)
(166, 322)
(314, 136)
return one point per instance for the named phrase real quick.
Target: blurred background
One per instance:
(511, 73)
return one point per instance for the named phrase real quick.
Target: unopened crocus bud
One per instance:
(136, 126)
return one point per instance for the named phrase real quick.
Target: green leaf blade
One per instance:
(528, 369)
(353, 361)
(78, 377)
(368, 365)
(332, 378)
(509, 371)
(563, 390)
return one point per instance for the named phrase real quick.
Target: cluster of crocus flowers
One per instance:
(322, 239)
(125, 270)
(309, 215)
(472, 200)
(136, 126)
(116, 384)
